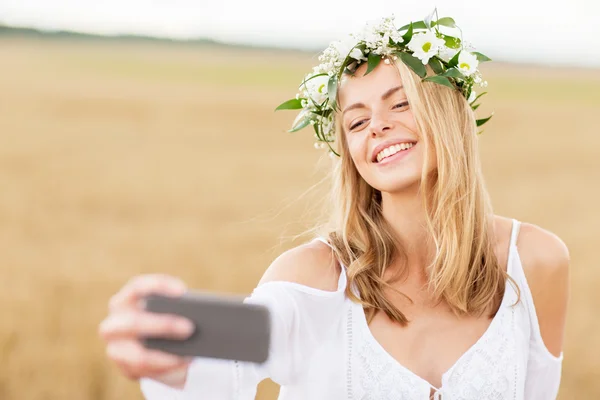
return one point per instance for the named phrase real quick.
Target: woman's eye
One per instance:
(356, 125)
(405, 104)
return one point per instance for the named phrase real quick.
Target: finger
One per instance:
(136, 361)
(144, 285)
(177, 373)
(134, 324)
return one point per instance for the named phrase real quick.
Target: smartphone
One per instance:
(226, 327)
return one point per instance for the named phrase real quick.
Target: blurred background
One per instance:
(140, 137)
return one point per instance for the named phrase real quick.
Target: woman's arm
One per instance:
(545, 260)
(295, 324)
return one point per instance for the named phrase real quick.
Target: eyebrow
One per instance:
(384, 96)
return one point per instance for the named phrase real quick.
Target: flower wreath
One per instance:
(417, 44)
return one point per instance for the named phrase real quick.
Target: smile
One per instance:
(393, 152)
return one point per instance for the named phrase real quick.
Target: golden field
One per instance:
(122, 158)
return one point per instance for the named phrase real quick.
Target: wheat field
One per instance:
(122, 158)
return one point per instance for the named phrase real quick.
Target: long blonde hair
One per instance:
(464, 272)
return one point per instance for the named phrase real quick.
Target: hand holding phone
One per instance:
(126, 322)
(225, 326)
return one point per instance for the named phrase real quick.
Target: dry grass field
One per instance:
(124, 158)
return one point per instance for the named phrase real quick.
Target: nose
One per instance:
(380, 125)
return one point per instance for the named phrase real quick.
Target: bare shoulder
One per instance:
(545, 252)
(310, 264)
(545, 258)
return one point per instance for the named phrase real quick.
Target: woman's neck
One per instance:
(405, 213)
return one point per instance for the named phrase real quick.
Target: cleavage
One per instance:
(432, 342)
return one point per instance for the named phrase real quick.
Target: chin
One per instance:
(398, 186)
(396, 179)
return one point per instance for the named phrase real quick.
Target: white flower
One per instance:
(317, 88)
(358, 55)
(425, 45)
(343, 46)
(376, 36)
(370, 36)
(396, 36)
(467, 63)
(328, 124)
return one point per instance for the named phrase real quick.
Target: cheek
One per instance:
(428, 155)
(410, 122)
(361, 164)
(355, 147)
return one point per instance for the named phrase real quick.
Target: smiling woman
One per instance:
(377, 104)
(395, 145)
(414, 289)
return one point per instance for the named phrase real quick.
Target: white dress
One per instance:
(322, 349)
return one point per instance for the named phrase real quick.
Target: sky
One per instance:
(531, 31)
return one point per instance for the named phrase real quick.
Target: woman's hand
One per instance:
(127, 322)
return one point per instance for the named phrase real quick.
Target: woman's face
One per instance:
(380, 129)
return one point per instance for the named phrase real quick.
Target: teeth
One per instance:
(393, 149)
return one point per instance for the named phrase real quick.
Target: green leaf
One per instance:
(303, 123)
(481, 57)
(292, 104)
(484, 120)
(331, 149)
(442, 80)
(323, 112)
(436, 65)
(413, 63)
(475, 106)
(478, 96)
(317, 131)
(415, 25)
(408, 35)
(447, 21)
(452, 42)
(332, 90)
(454, 60)
(373, 61)
(453, 73)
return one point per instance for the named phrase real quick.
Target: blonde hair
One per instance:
(464, 272)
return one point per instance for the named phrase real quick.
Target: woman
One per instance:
(416, 290)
